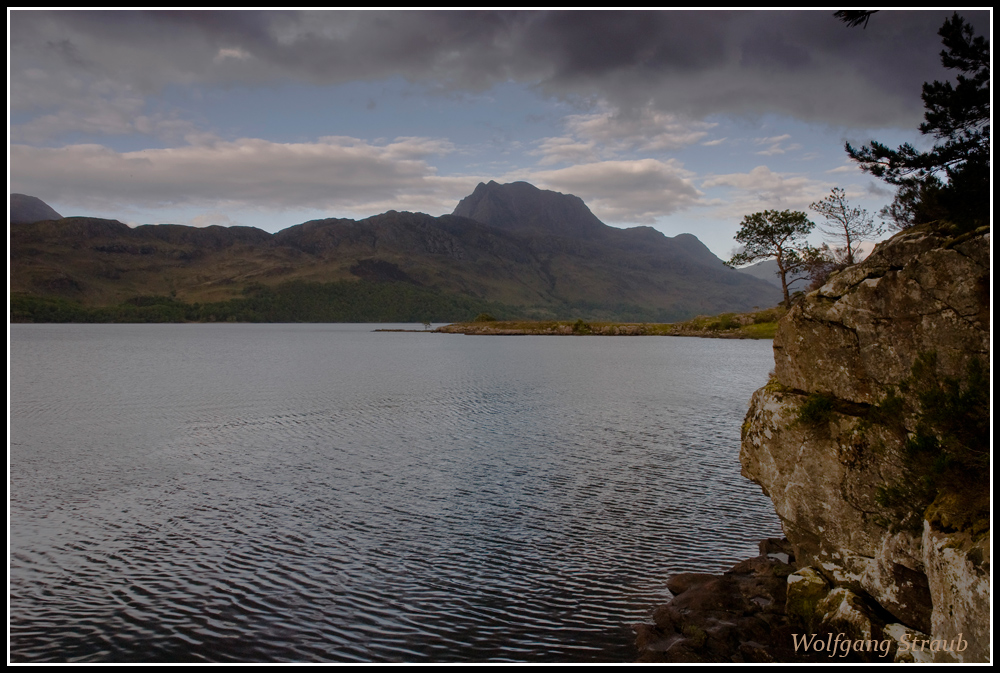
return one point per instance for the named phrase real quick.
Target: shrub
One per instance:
(816, 411)
(948, 451)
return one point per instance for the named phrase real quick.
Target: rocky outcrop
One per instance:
(728, 617)
(872, 441)
(762, 610)
(863, 331)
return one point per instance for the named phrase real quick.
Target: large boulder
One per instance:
(853, 437)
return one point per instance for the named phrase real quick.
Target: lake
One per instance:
(233, 492)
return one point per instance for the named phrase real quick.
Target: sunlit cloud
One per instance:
(776, 145)
(625, 192)
(763, 189)
(238, 54)
(250, 172)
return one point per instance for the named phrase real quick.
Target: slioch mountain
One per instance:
(514, 250)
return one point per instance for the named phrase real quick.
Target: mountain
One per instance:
(511, 249)
(768, 271)
(26, 209)
(522, 208)
(639, 264)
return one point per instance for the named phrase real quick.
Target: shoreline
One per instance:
(761, 324)
(619, 329)
(769, 609)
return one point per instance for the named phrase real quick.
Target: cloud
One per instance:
(212, 218)
(805, 64)
(625, 192)
(644, 130)
(116, 115)
(763, 189)
(407, 148)
(611, 133)
(60, 93)
(333, 172)
(224, 53)
(880, 190)
(775, 146)
(761, 179)
(564, 150)
(850, 168)
(641, 84)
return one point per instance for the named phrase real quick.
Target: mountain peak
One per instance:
(521, 207)
(26, 209)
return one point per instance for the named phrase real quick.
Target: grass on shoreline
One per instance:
(752, 325)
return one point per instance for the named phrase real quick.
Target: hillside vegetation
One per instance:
(513, 250)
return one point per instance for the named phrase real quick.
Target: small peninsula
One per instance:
(752, 325)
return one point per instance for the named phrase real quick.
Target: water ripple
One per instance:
(319, 493)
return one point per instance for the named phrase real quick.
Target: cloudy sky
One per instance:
(685, 121)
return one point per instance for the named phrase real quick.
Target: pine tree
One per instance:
(771, 233)
(958, 116)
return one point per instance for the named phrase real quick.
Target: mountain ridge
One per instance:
(542, 254)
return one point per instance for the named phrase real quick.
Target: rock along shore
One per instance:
(872, 440)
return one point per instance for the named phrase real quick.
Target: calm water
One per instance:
(322, 492)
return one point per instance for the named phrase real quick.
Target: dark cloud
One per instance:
(805, 64)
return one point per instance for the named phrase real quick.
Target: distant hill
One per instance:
(25, 209)
(518, 251)
(768, 271)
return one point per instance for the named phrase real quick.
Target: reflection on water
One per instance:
(325, 493)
